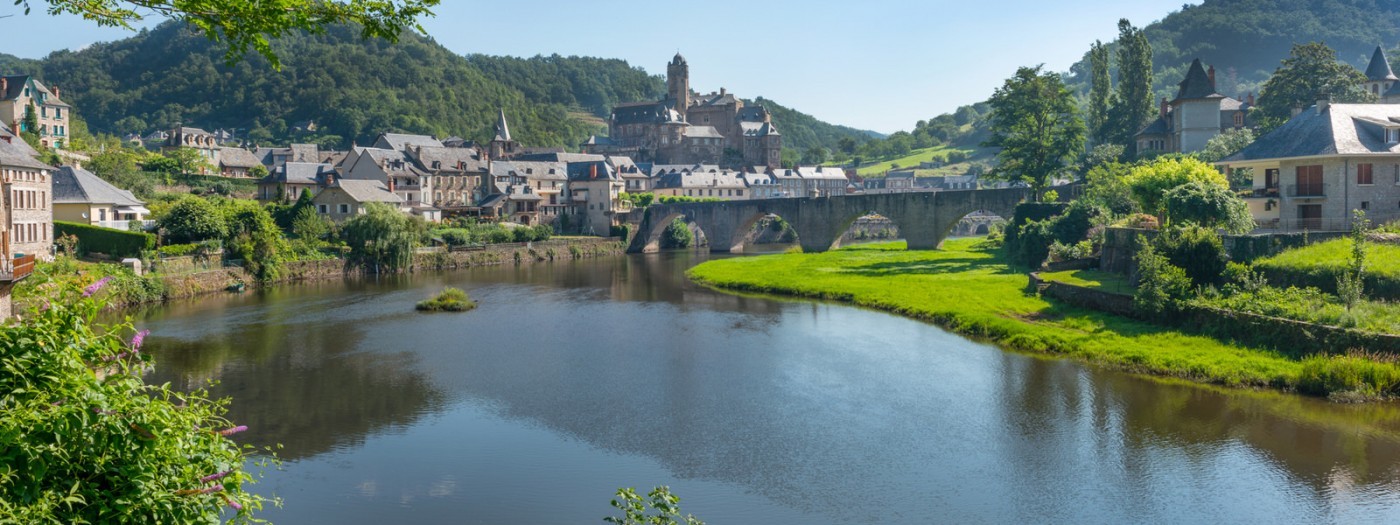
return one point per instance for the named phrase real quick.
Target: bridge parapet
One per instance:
(924, 218)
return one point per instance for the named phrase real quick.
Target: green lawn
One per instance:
(1104, 281)
(912, 159)
(1332, 256)
(971, 290)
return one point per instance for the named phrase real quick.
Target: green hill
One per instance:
(352, 89)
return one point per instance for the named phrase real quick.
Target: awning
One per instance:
(141, 210)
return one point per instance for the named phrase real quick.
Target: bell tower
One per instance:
(678, 83)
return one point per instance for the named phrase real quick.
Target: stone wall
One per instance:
(1084, 297)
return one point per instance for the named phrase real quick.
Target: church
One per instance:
(689, 128)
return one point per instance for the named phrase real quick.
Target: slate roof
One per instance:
(753, 113)
(298, 173)
(1157, 127)
(446, 159)
(561, 157)
(1343, 129)
(304, 153)
(588, 171)
(15, 87)
(1379, 69)
(1197, 84)
(821, 172)
(701, 179)
(502, 130)
(397, 141)
(715, 99)
(702, 132)
(595, 140)
(78, 186)
(238, 158)
(540, 170)
(15, 155)
(758, 129)
(367, 191)
(15, 143)
(645, 113)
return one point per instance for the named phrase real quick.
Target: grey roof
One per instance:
(15, 86)
(299, 173)
(447, 159)
(821, 172)
(78, 186)
(758, 129)
(304, 153)
(716, 99)
(559, 156)
(702, 132)
(397, 141)
(1197, 84)
(1157, 127)
(540, 170)
(596, 140)
(701, 179)
(502, 130)
(238, 158)
(16, 144)
(1343, 129)
(1379, 69)
(756, 113)
(595, 170)
(12, 154)
(645, 113)
(366, 191)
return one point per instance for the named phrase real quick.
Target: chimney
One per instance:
(721, 90)
(1162, 110)
(1324, 101)
(55, 93)
(4, 85)
(391, 184)
(1250, 99)
(1211, 73)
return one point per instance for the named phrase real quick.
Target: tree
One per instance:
(86, 440)
(815, 155)
(1037, 126)
(1225, 144)
(1310, 71)
(258, 171)
(383, 238)
(677, 235)
(1351, 284)
(188, 160)
(1100, 93)
(192, 219)
(1133, 106)
(251, 25)
(1150, 182)
(253, 237)
(1208, 205)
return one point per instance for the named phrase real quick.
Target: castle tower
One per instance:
(1379, 77)
(678, 83)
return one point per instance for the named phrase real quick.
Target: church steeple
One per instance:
(502, 131)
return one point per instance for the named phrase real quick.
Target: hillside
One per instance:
(352, 89)
(1246, 39)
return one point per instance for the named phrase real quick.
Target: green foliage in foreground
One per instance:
(448, 300)
(659, 508)
(84, 440)
(970, 289)
(123, 287)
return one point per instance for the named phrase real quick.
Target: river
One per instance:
(575, 378)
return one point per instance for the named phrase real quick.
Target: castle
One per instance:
(688, 128)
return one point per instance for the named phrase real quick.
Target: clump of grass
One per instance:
(448, 300)
(1353, 377)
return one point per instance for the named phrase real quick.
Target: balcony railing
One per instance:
(1307, 191)
(1262, 193)
(17, 268)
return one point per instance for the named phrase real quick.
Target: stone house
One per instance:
(28, 204)
(346, 198)
(761, 184)
(237, 162)
(1312, 172)
(82, 197)
(288, 181)
(197, 139)
(714, 183)
(1196, 115)
(547, 180)
(396, 171)
(457, 174)
(822, 181)
(594, 191)
(22, 94)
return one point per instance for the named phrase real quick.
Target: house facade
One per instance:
(203, 142)
(1315, 170)
(28, 205)
(23, 96)
(344, 199)
(82, 197)
(1197, 114)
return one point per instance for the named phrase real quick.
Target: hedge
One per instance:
(115, 243)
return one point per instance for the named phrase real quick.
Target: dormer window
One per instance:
(1392, 135)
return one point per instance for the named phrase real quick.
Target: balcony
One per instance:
(1307, 191)
(1261, 193)
(15, 269)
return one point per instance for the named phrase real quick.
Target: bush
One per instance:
(1150, 182)
(1073, 225)
(1142, 221)
(88, 441)
(677, 235)
(1161, 286)
(1032, 245)
(1198, 251)
(621, 230)
(499, 235)
(116, 243)
(449, 300)
(543, 232)
(192, 219)
(177, 250)
(1207, 205)
(455, 236)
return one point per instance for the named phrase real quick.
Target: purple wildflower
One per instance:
(139, 338)
(215, 488)
(94, 287)
(231, 502)
(215, 477)
(233, 430)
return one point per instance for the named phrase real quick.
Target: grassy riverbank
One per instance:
(971, 290)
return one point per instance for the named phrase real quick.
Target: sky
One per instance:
(880, 65)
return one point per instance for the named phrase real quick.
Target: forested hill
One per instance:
(352, 89)
(1246, 39)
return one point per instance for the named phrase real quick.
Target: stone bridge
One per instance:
(924, 218)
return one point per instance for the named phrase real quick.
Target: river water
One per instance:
(575, 378)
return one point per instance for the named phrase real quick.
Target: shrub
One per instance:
(1032, 246)
(1142, 221)
(677, 235)
(1073, 225)
(621, 230)
(1241, 278)
(1207, 205)
(1161, 286)
(1150, 182)
(88, 441)
(1198, 251)
(177, 250)
(449, 300)
(543, 232)
(499, 235)
(192, 219)
(455, 236)
(382, 238)
(116, 243)
(523, 234)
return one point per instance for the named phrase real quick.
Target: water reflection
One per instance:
(576, 378)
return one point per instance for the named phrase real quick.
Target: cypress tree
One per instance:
(1134, 105)
(1100, 93)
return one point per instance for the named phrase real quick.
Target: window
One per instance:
(1363, 175)
(1365, 205)
(1309, 181)
(1392, 135)
(323, 208)
(1239, 119)
(344, 208)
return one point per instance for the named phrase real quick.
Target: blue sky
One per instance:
(880, 65)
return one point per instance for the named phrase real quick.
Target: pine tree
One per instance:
(1100, 93)
(1134, 104)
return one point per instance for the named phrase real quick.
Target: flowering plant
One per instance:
(83, 439)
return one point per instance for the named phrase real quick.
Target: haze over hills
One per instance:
(355, 89)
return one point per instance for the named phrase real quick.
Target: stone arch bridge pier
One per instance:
(924, 219)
